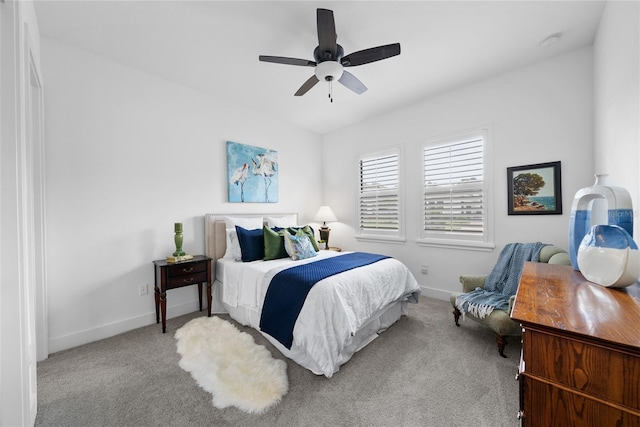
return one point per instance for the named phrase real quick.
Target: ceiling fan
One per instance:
(330, 60)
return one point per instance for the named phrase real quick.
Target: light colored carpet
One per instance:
(423, 371)
(230, 365)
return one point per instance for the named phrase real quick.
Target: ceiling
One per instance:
(213, 46)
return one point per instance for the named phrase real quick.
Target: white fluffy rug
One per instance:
(230, 365)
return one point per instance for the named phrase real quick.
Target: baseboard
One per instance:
(86, 336)
(435, 293)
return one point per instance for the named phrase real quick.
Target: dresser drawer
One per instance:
(186, 279)
(551, 406)
(595, 370)
(186, 269)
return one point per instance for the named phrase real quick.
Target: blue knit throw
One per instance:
(289, 288)
(502, 282)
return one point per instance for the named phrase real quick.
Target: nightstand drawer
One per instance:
(186, 269)
(186, 279)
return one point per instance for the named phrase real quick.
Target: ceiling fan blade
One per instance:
(287, 61)
(326, 33)
(351, 82)
(307, 85)
(371, 55)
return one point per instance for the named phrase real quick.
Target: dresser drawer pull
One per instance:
(187, 270)
(520, 415)
(189, 280)
(517, 376)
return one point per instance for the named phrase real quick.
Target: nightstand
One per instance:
(195, 271)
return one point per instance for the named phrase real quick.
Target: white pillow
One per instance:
(281, 221)
(249, 223)
(233, 245)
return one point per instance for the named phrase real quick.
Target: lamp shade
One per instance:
(325, 214)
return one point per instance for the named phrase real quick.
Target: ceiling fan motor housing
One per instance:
(322, 56)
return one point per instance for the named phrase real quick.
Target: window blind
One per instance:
(454, 199)
(379, 200)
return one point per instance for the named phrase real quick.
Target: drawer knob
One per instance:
(517, 376)
(520, 415)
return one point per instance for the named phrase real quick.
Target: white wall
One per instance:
(537, 114)
(128, 155)
(617, 98)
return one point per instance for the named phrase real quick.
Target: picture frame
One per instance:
(252, 174)
(535, 189)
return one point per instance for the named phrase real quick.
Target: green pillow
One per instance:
(274, 243)
(308, 231)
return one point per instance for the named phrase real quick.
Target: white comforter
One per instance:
(335, 308)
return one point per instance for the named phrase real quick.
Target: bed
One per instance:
(341, 313)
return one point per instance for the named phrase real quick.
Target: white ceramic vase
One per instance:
(608, 256)
(620, 212)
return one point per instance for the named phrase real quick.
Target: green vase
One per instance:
(178, 240)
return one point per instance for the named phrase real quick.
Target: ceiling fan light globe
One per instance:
(328, 70)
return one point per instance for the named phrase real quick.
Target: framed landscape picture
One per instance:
(534, 189)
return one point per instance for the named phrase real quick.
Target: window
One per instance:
(379, 197)
(455, 191)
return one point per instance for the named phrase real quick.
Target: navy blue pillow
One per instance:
(251, 243)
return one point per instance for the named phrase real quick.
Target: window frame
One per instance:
(377, 235)
(483, 242)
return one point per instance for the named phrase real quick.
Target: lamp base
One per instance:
(324, 235)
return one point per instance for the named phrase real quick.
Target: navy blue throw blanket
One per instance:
(289, 289)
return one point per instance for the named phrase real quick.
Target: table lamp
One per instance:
(325, 214)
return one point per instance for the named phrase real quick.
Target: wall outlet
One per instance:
(143, 289)
(424, 269)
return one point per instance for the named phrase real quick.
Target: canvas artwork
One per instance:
(252, 174)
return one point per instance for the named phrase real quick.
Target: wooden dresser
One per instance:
(580, 363)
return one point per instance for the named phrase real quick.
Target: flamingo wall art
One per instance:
(252, 173)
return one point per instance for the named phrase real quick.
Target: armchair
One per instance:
(499, 321)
